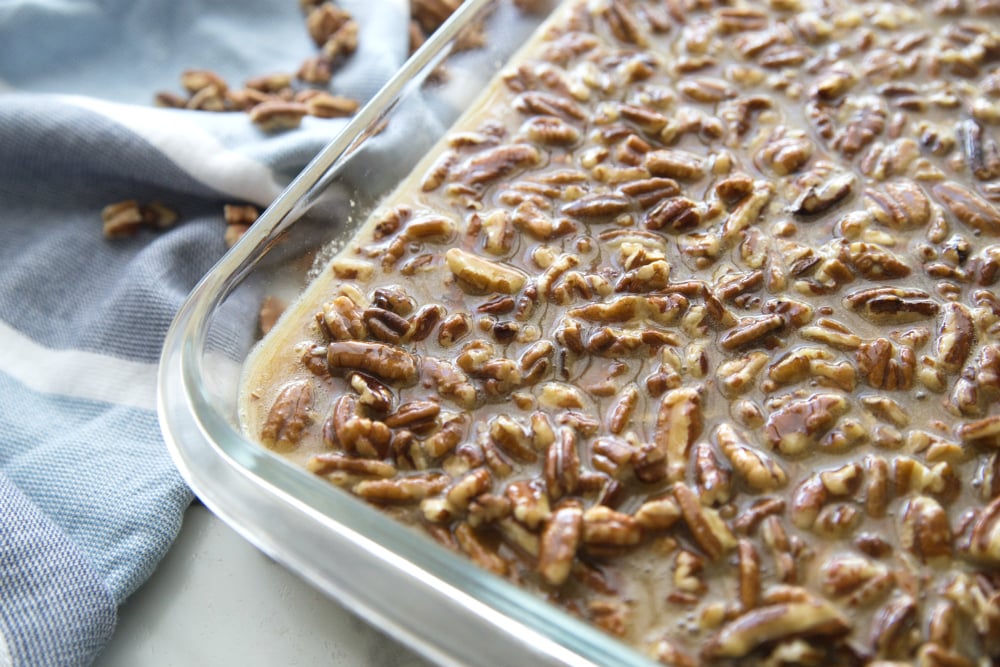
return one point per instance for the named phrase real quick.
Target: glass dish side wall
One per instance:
(398, 579)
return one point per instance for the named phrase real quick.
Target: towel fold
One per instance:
(89, 499)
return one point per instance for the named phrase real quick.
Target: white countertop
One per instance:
(215, 600)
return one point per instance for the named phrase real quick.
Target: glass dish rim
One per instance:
(193, 430)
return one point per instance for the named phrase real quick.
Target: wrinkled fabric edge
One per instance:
(54, 608)
(77, 373)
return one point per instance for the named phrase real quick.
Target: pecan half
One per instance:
(483, 274)
(955, 337)
(758, 470)
(900, 206)
(289, 416)
(924, 530)
(496, 163)
(560, 539)
(604, 527)
(385, 362)
(892, 304)
(969, 208)
(810, 618)
(709, 530)
(798, 425)
(410, 489)
(326, 463)
(678, 424)
(562, 465)
(675, 163)
(984, 539)
(599, 205)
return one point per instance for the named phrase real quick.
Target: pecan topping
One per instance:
(544, 104)
(696, 309)
(981, 153)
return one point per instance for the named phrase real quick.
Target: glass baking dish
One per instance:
(398, 579)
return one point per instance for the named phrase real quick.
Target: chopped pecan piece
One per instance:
(545, 104)
(824, 196)
(891, 626)
(511, 437)
(529, 503)
(955, 337)
(674, 214)
(562, 465)
(277, 115)
(353, 433)
(714, 480)
(326, 463)
(342, 319)
(795, 427)
(786, 151)
(873, 261)
(479, 550)
(551, 131)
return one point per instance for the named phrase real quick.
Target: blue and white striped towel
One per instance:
(89, 500)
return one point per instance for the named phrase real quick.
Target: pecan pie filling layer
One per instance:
(690, 326)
